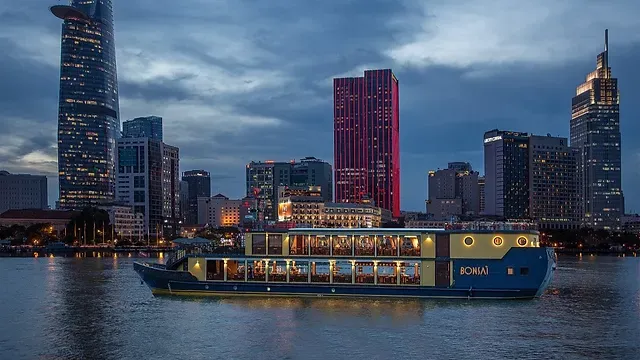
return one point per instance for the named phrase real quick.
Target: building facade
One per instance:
(148, 180)
(481, 183)
(148, 126)
(22, 191)
(366, 139)
(506, 169)
(555, 201)
(219, 211)
(88, 112)
(126, 223)
(264, 180)
(313, 172)
(305, 207)
(595, 132)
(453, 191)
(198, 185)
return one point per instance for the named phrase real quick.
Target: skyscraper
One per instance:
(199, 185)
(595, 133)
(506, 171)
(148, 126)
(366, 139)
(88, 104)
(149, 181)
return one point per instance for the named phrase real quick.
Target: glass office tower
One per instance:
(88, 105)
(595, 133)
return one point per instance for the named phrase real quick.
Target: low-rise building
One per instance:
(127, 224)
(305, 207)
(219, 211)
(58, 219)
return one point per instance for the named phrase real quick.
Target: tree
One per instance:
(91, 226)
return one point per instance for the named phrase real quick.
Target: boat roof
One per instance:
(397, 230)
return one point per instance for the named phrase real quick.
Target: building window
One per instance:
(319, 245)
(364, 246)
(258, 244)
(410, 273)
(410, 246)
(277, 270)
(256, 271)
(299, 271)
(342, 273)
(364, 273)
(342, 246)
(298, 245)
(387, 246)
(320, 271)
(387, 273)
(275, 244)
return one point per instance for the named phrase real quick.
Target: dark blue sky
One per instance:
(240, 80)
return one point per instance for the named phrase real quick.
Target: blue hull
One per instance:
(169, 282)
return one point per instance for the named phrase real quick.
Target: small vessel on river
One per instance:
(413, 263)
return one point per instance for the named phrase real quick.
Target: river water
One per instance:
(96, 308)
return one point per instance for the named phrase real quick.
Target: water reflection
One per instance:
(93, 308)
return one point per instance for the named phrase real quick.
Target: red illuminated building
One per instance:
(366, 139)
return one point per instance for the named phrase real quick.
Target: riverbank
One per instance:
(83, 251)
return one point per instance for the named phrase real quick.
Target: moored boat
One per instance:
(421, 263)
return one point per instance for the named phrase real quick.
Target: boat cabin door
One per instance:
(443, 253)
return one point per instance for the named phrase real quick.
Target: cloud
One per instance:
(481, 33)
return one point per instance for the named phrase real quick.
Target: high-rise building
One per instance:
(531, 177)
(199, 185)
(313, 172)
(265, 178)
(595, 132)
(88, 122)
(481, 183)
(184, 201)
(453, 191)
(506, 171)
(148, 180)
(366, 139)
(22, 191)
(553, 183)
(148, 126)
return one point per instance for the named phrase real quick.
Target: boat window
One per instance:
(319, 245)
(275, 244)
(277, 271)
(319, 271)
(364, 272)
(342, 272)
(410, 246)
(342, 246)
(364, 246)
(299, 245)
(215, 270)
(524, 271)
(410, 273)
(258, 244)
(387, 273)
(235, 270)
(299, 271)
(256, 270)
(509, 271)
(387, 246)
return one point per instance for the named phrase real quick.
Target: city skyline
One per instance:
(441, 94)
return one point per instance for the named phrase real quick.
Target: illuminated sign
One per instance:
(285, 211)
(492, 139)
(474, 270)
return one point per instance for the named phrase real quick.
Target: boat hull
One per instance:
(181, 283)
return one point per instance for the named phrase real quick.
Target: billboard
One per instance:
(285, 211)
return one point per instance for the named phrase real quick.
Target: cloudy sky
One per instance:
(242, 80)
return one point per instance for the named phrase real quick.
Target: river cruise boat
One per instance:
(397, 263)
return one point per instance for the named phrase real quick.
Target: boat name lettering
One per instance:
(474, 270)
